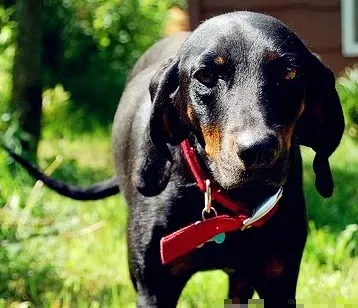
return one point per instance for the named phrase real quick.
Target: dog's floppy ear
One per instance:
(165, 127)
(166, 124)
(321, 124)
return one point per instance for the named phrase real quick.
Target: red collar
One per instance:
(195, 235)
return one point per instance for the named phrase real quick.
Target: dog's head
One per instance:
(247, 88)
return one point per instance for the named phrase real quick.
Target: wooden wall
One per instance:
(317, 22)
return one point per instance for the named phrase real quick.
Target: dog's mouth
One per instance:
(234, 178)
(232, 175)
(250, 186)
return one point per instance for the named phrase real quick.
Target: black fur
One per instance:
(246, 113)
(96, 191)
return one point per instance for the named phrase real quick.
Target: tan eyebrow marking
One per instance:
(219, 60)
(270, 55)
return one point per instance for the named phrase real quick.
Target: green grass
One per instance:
(55, 252)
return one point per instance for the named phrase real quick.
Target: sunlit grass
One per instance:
(80, 260)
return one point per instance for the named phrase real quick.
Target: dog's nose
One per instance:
(257, 152)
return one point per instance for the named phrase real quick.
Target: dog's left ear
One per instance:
(165, 127)
(321, 124)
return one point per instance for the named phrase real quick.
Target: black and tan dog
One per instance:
(246, 92)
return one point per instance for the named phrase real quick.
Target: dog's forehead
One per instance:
(240, 32)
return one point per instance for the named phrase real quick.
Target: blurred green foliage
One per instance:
(88, 48)
(7, 51)
(347, 86)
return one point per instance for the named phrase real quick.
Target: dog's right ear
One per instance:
(164, 127)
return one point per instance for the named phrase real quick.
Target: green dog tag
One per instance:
(219, 239)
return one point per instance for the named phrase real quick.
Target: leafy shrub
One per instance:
(7, 50)
(89, 46)
(333, 251)
(347, 87)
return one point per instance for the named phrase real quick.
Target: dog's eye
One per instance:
(289, 73)
(206, 77)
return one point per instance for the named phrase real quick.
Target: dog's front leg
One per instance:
(160, 291)
(157, 285)
(240, 289)
(276, 282)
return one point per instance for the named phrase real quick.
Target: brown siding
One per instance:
(317, 22)
(267, 5)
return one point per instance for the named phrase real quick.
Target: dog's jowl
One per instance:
(206, 147)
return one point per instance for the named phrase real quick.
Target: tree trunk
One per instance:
(27, 73)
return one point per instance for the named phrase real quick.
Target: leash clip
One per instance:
(207, 196)
(263, 209)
